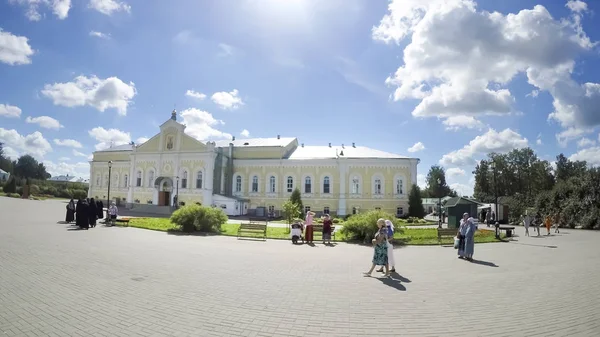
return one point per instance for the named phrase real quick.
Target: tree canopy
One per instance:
(435, 189)
(27, 167)
(415, 202)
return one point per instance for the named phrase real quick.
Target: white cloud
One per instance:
(225, 50)
(564, 137)
(538, 141)
(79, 154)
(101, 94)
(422, 181)
(201, 125)
(586, 142)
(462, 189)
(455, 172)
(591, 155)
(459, 60)
(14, 50)
(107, 138)
(417, 147)
(245, 133)
(100, 35)
(45, 122)
(227, 100)
(534, 93)
(491, 141)
(141, 140)
(80, 169)
(60, 8)
(10, 111)
(577, 6)
(195, 94)
(68, 142)
(109, 7)
(34, 144)
(455, 123)
(64, 158)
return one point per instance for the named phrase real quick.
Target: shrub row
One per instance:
(192, 218)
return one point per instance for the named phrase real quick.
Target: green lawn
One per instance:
(407, 236)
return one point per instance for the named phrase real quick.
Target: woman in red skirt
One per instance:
(308, 224)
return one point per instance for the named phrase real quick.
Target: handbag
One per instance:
(456, 242)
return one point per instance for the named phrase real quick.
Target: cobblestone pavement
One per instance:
(132, 282)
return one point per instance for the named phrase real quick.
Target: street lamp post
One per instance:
(109, 173)
(177, 193)
(495, 196)
(439, 181)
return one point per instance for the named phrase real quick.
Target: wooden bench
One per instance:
(318, 229)
(508, 229)
(446, 233)
(253, 226)
(118, 221)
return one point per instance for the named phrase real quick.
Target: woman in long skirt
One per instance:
(81, 214)
(70, 212)
(92, 213)
(308, 235)
(380, 250)
(470, 239)
(390, 247)
(462, 231)
(100, 209)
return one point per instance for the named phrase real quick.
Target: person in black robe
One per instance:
(100, 209)
(92, 213)
(81, 214)
(70, 212)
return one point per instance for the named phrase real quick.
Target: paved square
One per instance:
(133, 282)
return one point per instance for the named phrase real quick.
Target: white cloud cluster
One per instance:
(456, 123)
(107, 138)
(68, 143)
(101, 35)
(79, 154)
(454, 172)
(202, 125)
(45, 122)
(10, 111)
(195, 94)
(586, 142)
(99, 93)
(141, 140)
(14, 50)
(109, 7)
(591, 155)
(491, 141)
(245, 133)
(227, 100)
(15, 144)
(60, 8)
(459, 60)
(416, 148)
(80, 169)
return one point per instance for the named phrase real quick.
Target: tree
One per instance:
(28, 167)
(415, 203)
(566, 168)
(291, 211)
(435, 189)
(296, 198)
(5, 162)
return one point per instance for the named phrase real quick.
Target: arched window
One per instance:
(138, 179)
(290, 184)
(238, 184)
(125, 180)
(326, 185)
(199, 179)
(307, 185)
(151, 178)
(255, 184)
(355, 185)
(272, 184)
(106, 180)
(377, 186)
(399, 186)
(184, 179)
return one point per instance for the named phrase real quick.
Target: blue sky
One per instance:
(471, 81)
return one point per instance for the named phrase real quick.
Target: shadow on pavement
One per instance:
(393, 282)
(401, 278)
(484, 263)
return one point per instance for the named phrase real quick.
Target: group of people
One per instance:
(383, 249)
(466, 237)
(86, 212)
(309, 232)
(537, 221)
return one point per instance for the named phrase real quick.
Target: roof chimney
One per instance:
(233, 138)
(329, 144)
(278, 137)
(353, 145)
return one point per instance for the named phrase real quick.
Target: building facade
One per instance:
(252, 176)
(4, 176)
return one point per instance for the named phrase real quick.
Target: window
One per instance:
(377, 186)
(307, 185)
(199, 180)
(378, 208)
(306, 209)
(354, 210)
(238, 184)
(125, 180)
(151, 178)
(290, 184)
(271, 209)
(326, 210)
(326, 185)
(255, 184)
(399, 211)
(272, 184)
(138, 181)
(399, 187)
(184, 179)
(355, 185)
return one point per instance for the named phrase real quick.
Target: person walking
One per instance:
(380, 254)
(308, 223)
(92, 213)
(537, 222)
(70, 211)
(470, 239)
(462, 232)
(488, 218)
(327, 224)
(548, 223)
(389, 225)
(81, 214)
(557, 223)
(527, 223)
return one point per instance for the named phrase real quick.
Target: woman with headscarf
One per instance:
(92, 213)
(462, 232)
(470, 239)
(327, 224)
(70, 211)
(380, 250)
(81, 214)
(308, 225)
(100, 209)
(389, 225)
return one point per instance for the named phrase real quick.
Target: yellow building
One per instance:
(252, 176)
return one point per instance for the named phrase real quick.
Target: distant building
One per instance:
(70, 179)
(430, 204)
(4, 176)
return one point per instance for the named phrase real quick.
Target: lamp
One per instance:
(495, 197)
(177, 191)
(439, 182)
(109, 178)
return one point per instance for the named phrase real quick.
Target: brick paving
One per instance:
(133, 282)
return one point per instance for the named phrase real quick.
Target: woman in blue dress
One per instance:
(470, 239)
(380, 250)
(462, 232)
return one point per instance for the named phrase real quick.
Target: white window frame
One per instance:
(237, 188)
(272, 188)
(358, 189)
(139, 178)
(326, 210)
(184, 179)
(125, 180)
(289, 186)
(399, 211)
(397, 178)
(253, 184)
(306, 209)
(310, 180)
(199, 179)
(378, 193)
(328, 177)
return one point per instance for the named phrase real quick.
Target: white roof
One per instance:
(68, 178)
(2, 171)
(124, 147)
(325, 152)
(257, 142)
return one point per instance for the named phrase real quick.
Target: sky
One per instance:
(446, 81)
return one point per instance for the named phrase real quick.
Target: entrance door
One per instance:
(167, 199)
(163, 198)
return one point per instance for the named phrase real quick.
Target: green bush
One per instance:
(13, 195)
(336, 220)
(79, 194)
(363, 226)
(409, 220)
(192, 218)
(34, 189)
(11, 186)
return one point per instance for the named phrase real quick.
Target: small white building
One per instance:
(70, 179)
(4, 176)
